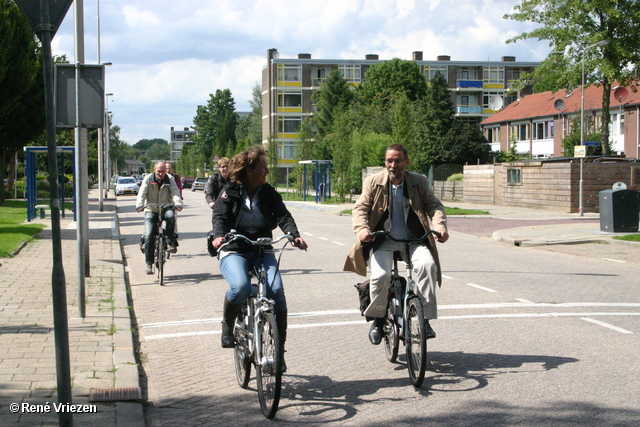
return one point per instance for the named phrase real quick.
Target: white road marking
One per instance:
(338, 243)
(480, 287)
(615, 260)
(308, 234)
(523, 303)
(446, 277)
(607, 325)
(524, 300)
(323, 238)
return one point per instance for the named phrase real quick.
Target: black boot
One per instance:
(228, 320)
(281, 321)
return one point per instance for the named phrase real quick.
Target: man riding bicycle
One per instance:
(399, 202)
(158, 188)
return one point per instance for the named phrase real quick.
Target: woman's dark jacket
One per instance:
(228, 207)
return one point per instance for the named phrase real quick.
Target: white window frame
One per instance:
(351, 72)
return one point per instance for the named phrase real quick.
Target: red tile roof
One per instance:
(542, 104)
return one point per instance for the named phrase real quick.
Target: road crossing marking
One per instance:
(480, 287)
(606, 325)
(614, 260)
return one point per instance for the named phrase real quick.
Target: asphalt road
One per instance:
(526, 336)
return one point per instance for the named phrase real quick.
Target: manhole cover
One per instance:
(114, 394)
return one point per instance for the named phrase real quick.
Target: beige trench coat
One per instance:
(373, 203)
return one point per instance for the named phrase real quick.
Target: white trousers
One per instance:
(424, 273)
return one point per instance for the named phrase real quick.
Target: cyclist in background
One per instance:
(159, 188)
(253, 208)
(399, 202)
(175, 176)
(216, 183)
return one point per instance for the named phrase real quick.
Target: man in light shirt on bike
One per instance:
(159, 188)
(399, 202)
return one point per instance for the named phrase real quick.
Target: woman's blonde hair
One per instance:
(247, 159)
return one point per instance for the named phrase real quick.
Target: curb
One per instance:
(127, 376)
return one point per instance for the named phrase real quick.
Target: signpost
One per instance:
(45, 17)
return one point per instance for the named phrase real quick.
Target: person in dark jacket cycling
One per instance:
(253, 208)
(216, 183)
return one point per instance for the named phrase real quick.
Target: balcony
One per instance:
(467, 109)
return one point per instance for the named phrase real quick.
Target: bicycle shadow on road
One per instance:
(317, 397)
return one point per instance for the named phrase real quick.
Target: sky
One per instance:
(168, 57)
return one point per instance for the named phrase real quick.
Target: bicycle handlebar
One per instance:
(262, 241)
(155, 205)
(386, 233)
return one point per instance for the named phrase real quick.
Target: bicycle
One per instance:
(256, 336)
(404, 320)
(160, 247)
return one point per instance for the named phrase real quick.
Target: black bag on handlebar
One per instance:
(363, 295)
(210, 248)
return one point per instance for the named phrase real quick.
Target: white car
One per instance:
(126, 185)
(199, 183)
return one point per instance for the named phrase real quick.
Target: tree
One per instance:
(216, 125)
(158, 151)
(340, 144)
(334, 96)
(433, 118)
(22, 111)
(573, 139)
(572, 28)
(304, 151)
(387, 80)
(272, 161)
(145, 144)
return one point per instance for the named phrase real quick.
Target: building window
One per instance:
(430, 72)
(493, 75)
(521, 132)
(289, 124)
(286, 150)
(177, 137)
(493, 134)
(351, 73)
(290, 73)
(289, 99)
(467, 73)
(543, 130)
(514, 177)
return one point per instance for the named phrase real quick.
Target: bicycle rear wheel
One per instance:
(416, 343)
(391, 337)
(241, 355)
(160, 258)
(269, 366)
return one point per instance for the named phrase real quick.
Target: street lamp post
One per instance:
(581, 187)
(107, 142)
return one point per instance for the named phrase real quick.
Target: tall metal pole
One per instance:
(82, 223)
(100, 140)
(58, 282)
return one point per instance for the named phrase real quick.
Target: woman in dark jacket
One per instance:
(253, 208)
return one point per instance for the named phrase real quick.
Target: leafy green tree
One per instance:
(572, 28)
(368, 149)
(334, 96)
(402, 123)
(339, 142)
(387, 80)
(272, 161)
(158, 151)
(145, 144)
(216, 125)
(304, 151)
(573, 139)
(22, 111)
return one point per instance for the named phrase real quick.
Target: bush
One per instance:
(456, 177)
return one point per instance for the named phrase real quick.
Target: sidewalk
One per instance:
(581, 229)
(103, 367)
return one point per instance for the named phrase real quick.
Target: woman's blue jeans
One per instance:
(235, 269)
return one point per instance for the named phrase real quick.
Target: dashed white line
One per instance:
(615, 260)
(323, 238)
(606, 325)
(338, 243)
(480, 287)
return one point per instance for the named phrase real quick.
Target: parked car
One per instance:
(126, 185)
(114, 180)
(187, 182)
(199, 183)
(139, 180)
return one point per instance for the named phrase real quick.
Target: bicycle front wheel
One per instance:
(416, 343)
(160, 258)
(269, 365)
(391, 336)
(241, 355)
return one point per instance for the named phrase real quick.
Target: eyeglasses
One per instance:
(396, 161)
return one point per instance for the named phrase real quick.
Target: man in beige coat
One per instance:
(399, 202)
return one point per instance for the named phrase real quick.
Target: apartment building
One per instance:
(178, 140)
(478, 89)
